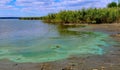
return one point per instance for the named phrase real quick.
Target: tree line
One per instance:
(29, 18)
(113, 4)
(92, 15)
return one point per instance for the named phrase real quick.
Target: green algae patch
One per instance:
(56, 48)
(34, 41)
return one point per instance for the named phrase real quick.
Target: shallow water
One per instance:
(35, 41)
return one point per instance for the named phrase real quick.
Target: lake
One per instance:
(35, 41)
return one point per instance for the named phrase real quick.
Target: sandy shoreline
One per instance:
(109, 61)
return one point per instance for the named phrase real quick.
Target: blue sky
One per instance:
(20, 8)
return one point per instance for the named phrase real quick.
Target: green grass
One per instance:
(101, 15)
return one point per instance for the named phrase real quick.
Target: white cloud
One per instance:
(5, 1)
(8, 7)
(47, 6)
(4, 5)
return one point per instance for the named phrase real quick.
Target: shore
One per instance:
(108, 61)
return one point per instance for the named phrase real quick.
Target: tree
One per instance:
(91, 15)
(113, 4)
(119, 5)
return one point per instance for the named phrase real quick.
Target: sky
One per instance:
(26, 8)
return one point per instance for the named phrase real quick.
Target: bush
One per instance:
(91, 15)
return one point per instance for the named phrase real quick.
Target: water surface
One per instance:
(35, 41)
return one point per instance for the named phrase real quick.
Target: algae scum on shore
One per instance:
(34, 41)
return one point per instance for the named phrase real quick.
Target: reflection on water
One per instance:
(34, 41)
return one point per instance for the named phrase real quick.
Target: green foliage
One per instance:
(30, 18)
(91, 15)
(113, 4)
(119, 5)
(104, 15)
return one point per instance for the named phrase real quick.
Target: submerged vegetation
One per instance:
(91, 15)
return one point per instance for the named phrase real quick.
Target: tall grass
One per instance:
(101, 15)
(110, 14)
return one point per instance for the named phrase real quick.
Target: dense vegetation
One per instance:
(30, 18)
(110, 14)
(113, 4)
(92, 15)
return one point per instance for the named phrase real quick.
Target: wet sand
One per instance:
(108, 61)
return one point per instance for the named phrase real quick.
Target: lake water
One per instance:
(35, 41)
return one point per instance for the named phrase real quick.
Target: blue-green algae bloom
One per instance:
(55, 48)
(34, 41)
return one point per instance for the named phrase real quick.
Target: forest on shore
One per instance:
(110, 14)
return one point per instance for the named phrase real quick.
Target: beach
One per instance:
(108, 61)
